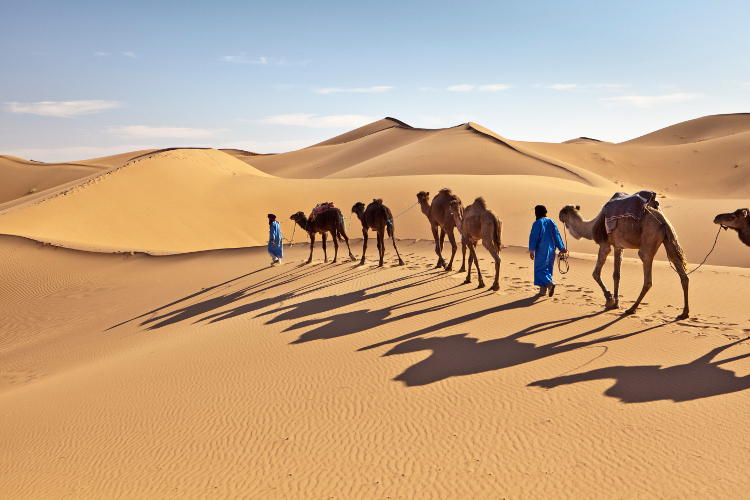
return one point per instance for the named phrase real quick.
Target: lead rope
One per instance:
(704, 260)
(562, 258)
(390, 221)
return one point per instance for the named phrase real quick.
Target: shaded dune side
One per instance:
(699, 129)
(716, 168)
(21, 178)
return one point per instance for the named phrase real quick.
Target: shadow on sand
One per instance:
(698, 379)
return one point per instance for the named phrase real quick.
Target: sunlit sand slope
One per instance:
(214, 375)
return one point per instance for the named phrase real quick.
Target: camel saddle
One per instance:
(321, 208)
(628, 205)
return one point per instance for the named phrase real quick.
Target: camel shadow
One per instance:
(459, 355)
(698, 379)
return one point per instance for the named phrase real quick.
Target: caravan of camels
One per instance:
(625, 222)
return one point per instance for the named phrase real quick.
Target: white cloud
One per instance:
(241, 58)
(97, 53)
(74, 153)
(564, 86)
(586, 86)
(494, 87)
(130, 54)
(63, 109)
(163, 132)
(316, 121)
(646, 101)
(366, 90)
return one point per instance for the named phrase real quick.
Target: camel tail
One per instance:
(389, 222)
(671, 235)
(498, 237)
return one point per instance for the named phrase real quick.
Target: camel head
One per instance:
(569, 214)
(359, 209)
(735, 220)
(423, 197)
(299, 216)
(457, 211)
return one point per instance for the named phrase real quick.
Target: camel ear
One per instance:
(744, 212)
(578, 207)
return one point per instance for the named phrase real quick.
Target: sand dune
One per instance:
(200, 371)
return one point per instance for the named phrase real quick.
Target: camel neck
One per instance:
(425, 207)
(580, 228)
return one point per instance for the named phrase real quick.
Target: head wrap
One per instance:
(271, 218)
(540, 211)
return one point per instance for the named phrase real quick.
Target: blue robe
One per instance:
(276, 250)
(543, 240)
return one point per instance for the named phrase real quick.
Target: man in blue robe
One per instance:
(543, 240)
(275, 248)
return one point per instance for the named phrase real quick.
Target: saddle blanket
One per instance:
(320, 208)
(628, 205)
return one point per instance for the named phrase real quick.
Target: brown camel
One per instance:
(330, 221)
(439, 214)
(476, 223)
(376, 217)
(645, 235)
(739, 220)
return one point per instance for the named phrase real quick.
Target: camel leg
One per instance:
(364, 246)
(476, 263)
(325, 253)
(616, 277)
(471, 261)
(454, 247)
(647, 257)
(393, 238)
(463, 256)
(312, 244)
(601, 259)
(684, 279)
(490, 246)
(442, 238)
(381, 246)
(440, 262)
(346, 240)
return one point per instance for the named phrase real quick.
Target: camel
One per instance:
(330, 221)
(739, 220)
(645, 235)
(376, 217)
(439, 214)
(476, 223)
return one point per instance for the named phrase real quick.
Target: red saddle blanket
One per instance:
(628, 205)
(320, 208)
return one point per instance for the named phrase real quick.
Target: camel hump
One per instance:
(480, 201)
(446, 191)
(378, 201)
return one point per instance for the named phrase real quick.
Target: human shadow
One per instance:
(458, 355)
(698, 379)
(212, 298)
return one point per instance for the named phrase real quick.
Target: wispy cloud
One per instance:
(317, 121)
(130, 54)
(63, 109)
(163, 132)
(586, 86)
(358, 90)
(100, 54)
(242, 58)
(646, 101)
(494, 87)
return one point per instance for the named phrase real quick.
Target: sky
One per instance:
(87, 79)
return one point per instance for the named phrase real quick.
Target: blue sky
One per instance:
(86, 79)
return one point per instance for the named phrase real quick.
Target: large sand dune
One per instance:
(199, 371)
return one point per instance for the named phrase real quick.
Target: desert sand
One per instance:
(149, 350)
